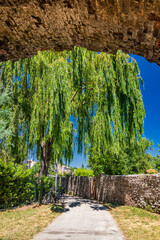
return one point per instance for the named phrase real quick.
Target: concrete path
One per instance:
(82, 220)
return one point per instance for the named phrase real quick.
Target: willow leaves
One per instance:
(101, 91)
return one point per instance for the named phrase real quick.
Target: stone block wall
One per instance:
(102, 26)
(135, 190)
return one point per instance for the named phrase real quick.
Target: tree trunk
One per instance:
(45, 157)
(45, 160)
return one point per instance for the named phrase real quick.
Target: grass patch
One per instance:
(136, 223)
(23, 223)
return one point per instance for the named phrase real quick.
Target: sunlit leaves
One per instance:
(101, 91)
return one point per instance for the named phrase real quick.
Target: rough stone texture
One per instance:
(136, 190)
(98, 25)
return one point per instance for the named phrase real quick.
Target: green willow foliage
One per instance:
(40, 94)
(111, 98)
(5, 114)
(101, 91)
(50, 92)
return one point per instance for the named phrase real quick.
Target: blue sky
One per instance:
(150, 72)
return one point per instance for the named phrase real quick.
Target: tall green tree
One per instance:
(108, 101)
(5, 114)
(101, 91)
(18, 105)
(131, 159)
(5, 119)
(41, 104)
(50, 125)
(157, 160)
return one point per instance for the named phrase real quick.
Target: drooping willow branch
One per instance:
(110, 112)
(74, 95)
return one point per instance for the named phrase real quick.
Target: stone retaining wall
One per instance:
(136, 190)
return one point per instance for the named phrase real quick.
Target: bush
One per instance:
(21, 186)
(15, 185)
(83, 172)
(42, 185)
(151, 171)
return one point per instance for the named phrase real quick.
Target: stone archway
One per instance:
(99, 25)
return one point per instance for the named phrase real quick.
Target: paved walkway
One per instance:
(82, 220)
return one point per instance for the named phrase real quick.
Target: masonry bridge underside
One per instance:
(99, 25)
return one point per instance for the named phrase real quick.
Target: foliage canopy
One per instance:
(101, 91)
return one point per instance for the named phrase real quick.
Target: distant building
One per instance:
(29, 162)
(63, 169)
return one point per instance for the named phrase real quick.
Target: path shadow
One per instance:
(66, 210)
(98, 208)
(94, 205)
(74, 204)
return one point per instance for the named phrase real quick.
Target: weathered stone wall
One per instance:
(98, 25)
(136, 190)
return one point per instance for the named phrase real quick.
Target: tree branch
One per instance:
(74, 95)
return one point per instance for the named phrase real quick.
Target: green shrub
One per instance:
(41, 185)
(15, 185)
(21, 186)
(151, 171)
(83, 172)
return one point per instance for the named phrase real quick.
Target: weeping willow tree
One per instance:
(5, 118)
(109, 105)
(101, 91)
(41, 93)
(50, 125)
(5, 114)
